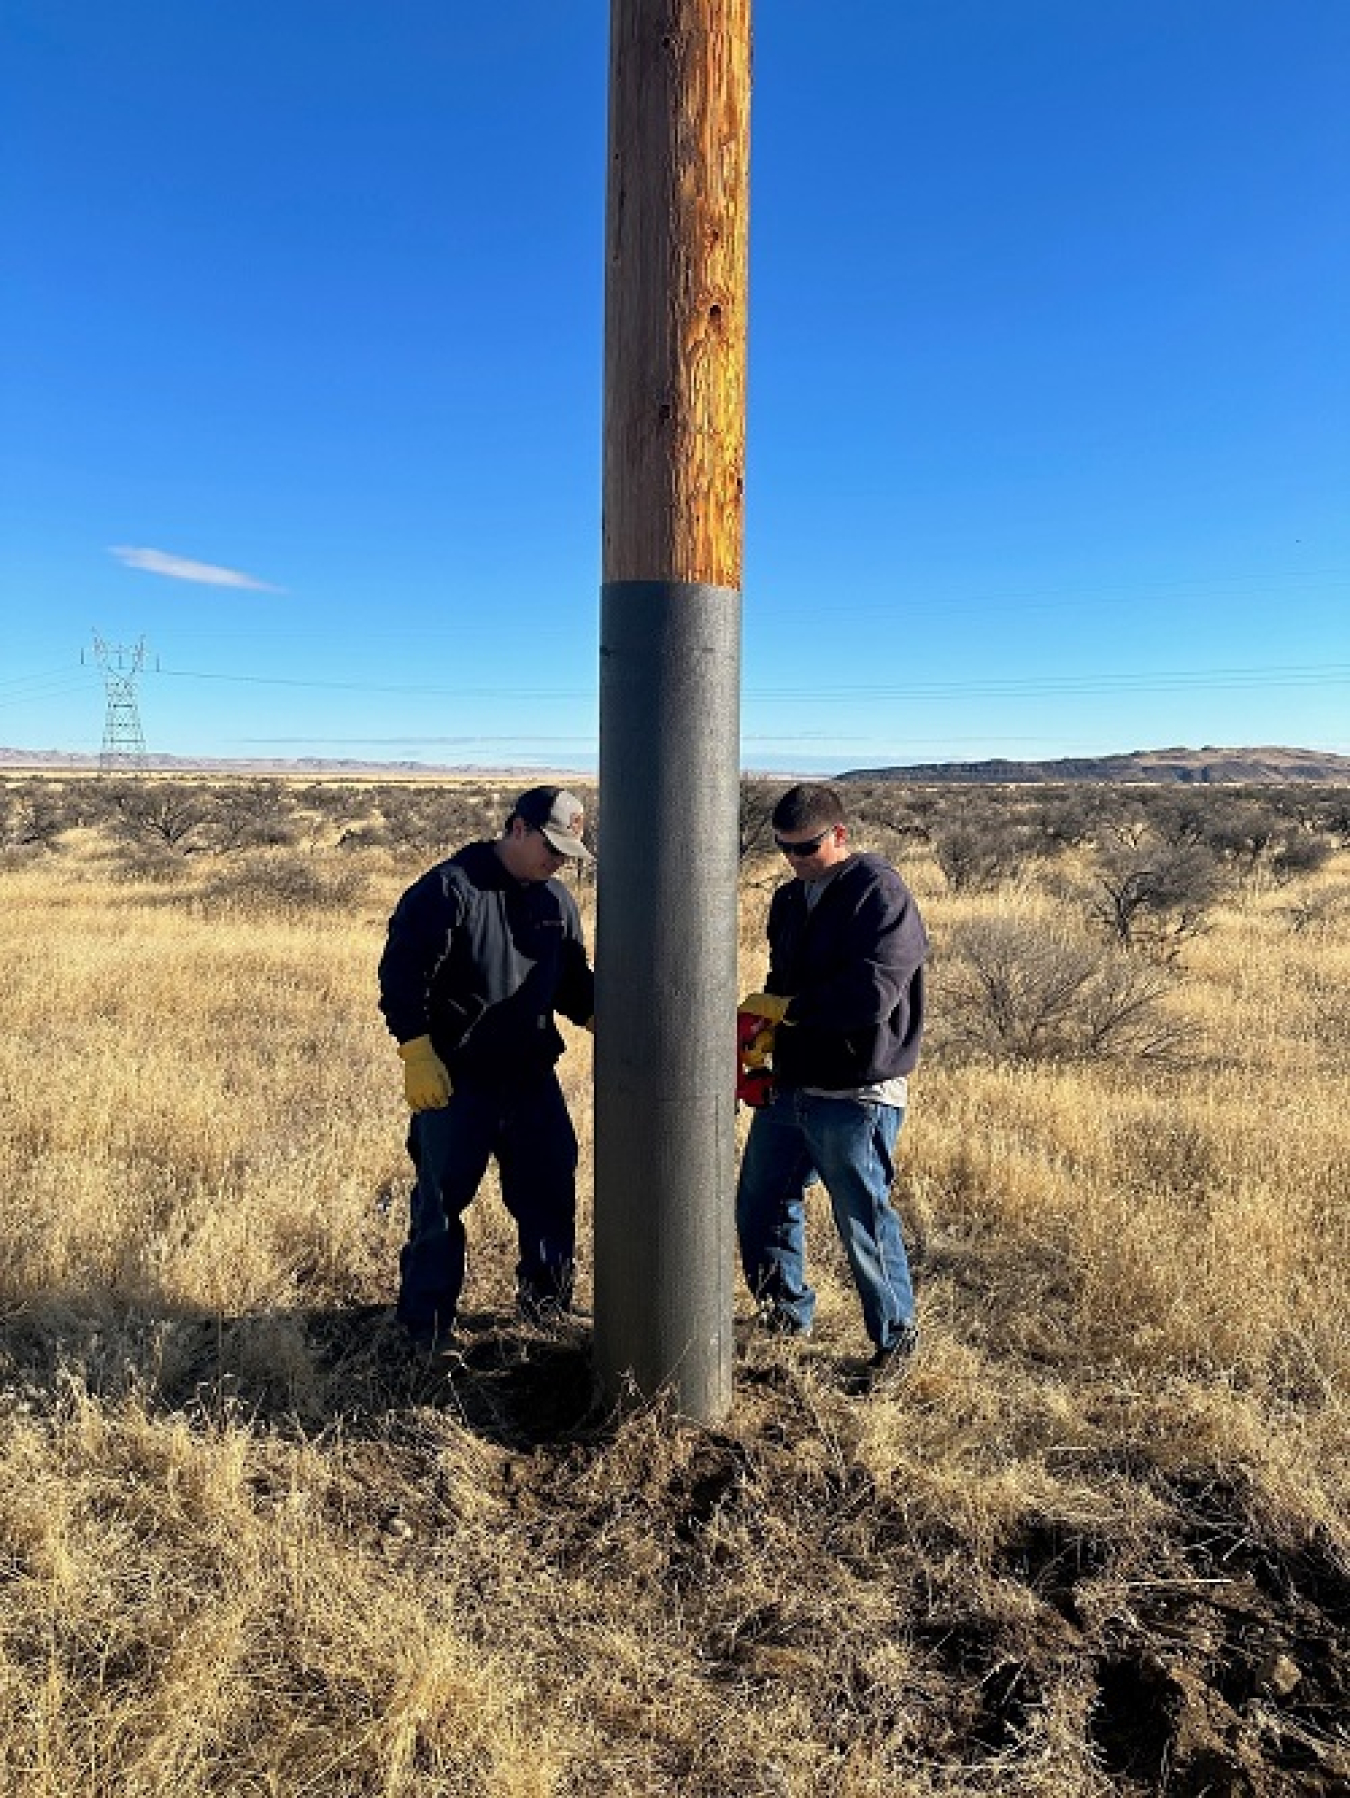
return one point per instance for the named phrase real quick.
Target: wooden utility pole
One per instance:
(674, 449)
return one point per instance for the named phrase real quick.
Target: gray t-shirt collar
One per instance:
(812, 889)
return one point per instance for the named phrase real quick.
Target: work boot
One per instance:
(889, 1365)
(434, 1342)
(550, 1315)
(773, 1322)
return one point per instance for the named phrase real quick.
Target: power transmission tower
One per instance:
(123, 738)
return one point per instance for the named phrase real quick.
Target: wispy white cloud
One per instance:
(180, 568)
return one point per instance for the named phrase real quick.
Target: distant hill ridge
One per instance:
(1201, 767)
(81, 761)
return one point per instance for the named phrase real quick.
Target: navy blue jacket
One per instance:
(854, 969)
(479, 962)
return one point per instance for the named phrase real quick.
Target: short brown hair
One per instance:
(810, 806)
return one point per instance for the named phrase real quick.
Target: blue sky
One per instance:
(1049, 429)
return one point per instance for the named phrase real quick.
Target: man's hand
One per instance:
(765, 1005)
(426, 1079)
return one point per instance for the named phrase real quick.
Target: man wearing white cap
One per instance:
(481, 952)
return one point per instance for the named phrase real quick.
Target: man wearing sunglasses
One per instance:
(845, 994)
(481, 951)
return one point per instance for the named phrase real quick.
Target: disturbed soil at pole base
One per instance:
(1163, 1631)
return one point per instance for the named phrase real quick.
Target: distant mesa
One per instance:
(1198, 767)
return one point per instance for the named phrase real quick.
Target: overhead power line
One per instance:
(39, 688)
(1043, 686)
(1037, 686)
(52, 684)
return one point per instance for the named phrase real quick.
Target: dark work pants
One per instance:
(525, 1125)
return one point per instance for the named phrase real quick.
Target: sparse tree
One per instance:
(32, 816)
(167, 813)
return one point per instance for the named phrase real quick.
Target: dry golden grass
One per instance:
(250, 1548)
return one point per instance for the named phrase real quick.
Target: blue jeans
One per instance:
(526, 1127)
(849, 1145)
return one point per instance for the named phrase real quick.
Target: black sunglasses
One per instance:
(808, 847)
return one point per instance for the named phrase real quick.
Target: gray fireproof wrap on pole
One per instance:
(665, 1046)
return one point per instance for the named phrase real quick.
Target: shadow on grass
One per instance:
(308, 1370)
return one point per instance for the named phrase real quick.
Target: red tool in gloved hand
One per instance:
(754, 1045)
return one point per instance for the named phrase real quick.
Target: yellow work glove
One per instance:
(765, 1005)
(426, 1080)
(759, 1048)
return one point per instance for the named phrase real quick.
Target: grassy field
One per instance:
(1098, 1542)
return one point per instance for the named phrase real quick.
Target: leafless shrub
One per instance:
(1247, 835)
(979, 854)
(1299, 855)
(268, 881)
(758, 798)
(254, 814)
(1188, 816)
(1009, 989)
(431, 822)
(1154, 896)
(890, 814)
(162, 814)
(33, 816)
(1334, 818)
(151, 863)
(1124, 824)
(1317, 911)
(1250, 834)
(1063, 818)
(339, 804)
(189, 818)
